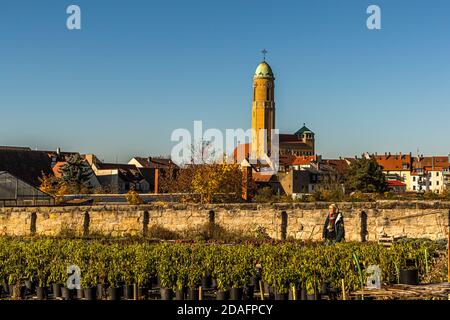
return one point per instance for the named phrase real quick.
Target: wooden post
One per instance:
(294, 294)
(136, 292)
(200, 293)
(344, 295)
(261, 290)
(448, 249)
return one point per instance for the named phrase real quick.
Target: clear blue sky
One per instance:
(139, 69)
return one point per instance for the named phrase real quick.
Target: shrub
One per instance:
(133, 197)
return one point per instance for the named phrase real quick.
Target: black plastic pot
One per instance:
(236, 293)
(249, 292)
(213, 283)
(17, 291)
(179, 294)
(128, 291)
(409, 276)
(269, 290)
(206, 281)
(142, 293)
(5, 287)
(49, 290)
(56, 290)
(41, 293)
(193, 294)
(311, 297)
(325, 288)
(101, 291)
(90, 293)
(30, 286)
(114, 293)
(222, 295)
(281, 296)
(80, 293)
(66, 293)
(303, 295)
(166, 294)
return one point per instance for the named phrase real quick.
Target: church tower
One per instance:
(263, 110)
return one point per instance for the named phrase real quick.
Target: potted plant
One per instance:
(144, 268)
(114, 275)
(38, 264)
(220, 272)
(194, 272)
(57, 274)
(167, 270)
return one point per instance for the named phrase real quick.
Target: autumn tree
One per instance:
(206, 178)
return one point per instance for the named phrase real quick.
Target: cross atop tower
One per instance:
(264, 52)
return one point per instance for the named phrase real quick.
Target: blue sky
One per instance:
(140, 69)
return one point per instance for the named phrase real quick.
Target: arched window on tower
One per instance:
(268, 94)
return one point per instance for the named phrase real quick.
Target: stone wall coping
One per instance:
(343, 206)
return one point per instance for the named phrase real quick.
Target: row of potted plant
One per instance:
(284, 270)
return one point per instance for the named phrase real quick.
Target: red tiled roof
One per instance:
(340, 165)
(395, 183)
(303, 160)
(427, 163)
(241, 152)
(259, 177)
(394, 162)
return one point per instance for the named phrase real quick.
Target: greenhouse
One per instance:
(14, 191)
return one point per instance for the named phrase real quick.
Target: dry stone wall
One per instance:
(363, 221)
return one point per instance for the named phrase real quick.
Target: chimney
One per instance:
(156, 181)
(58, 151)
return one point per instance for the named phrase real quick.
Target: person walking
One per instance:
(333, 229)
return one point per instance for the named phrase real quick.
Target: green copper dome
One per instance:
(263, 71)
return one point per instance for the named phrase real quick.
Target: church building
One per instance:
(300, 143)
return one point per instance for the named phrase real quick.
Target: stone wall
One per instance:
(363, 221)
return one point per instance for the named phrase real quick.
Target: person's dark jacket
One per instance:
(339, 230)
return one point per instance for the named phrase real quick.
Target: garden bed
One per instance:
(37, 269)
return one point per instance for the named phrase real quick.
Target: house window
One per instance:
(414, 188)
(437, 183)
(437, 174)
(414, 179)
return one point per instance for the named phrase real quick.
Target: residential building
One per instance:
(396, 167)
(121, 178)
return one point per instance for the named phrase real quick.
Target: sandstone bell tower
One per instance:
(263, 110)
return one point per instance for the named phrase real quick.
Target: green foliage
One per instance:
(181, 265)
(76, 172)
(365, 175)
